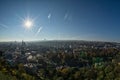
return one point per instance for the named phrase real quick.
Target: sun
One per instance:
(28, 23)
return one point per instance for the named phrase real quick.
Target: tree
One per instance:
(100, 75)
(78, 75)
(108, 69)
(90, 74)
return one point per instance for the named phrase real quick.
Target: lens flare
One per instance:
(28, 23)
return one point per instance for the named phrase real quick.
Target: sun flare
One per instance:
(28, 23)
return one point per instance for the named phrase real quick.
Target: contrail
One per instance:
(66, 16)
(20, 17)
(38, 31)
(49, 15)
(3, 25)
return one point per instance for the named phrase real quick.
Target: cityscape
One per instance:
(60, 60)
(59, 40)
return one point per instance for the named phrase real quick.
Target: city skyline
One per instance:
(59, 20)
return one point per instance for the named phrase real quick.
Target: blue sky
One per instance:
(60, 20)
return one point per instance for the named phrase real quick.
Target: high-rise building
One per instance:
(23, 47)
